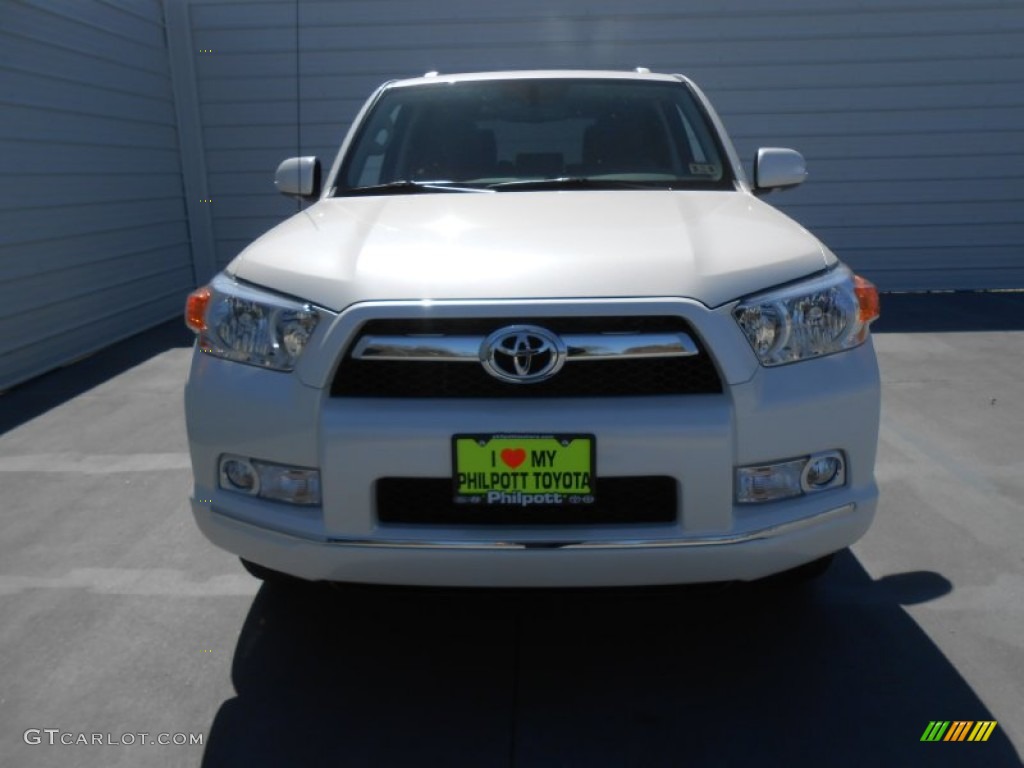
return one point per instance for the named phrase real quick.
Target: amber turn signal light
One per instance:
(867, 298)
(195, 309)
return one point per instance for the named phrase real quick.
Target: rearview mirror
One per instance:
(777, 168)
(299, 177)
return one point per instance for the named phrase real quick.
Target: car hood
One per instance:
(710, 246)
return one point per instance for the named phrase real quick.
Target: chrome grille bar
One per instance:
(580, 346)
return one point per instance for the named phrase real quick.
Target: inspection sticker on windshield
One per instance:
(523, 470)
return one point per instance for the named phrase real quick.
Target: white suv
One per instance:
(536, 330)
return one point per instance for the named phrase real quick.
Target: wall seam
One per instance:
(192, 157)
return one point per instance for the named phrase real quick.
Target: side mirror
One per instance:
(778, 168)
(299, 177)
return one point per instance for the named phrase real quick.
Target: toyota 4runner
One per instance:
(536, 329)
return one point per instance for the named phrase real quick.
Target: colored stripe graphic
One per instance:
(959, 730)
(982, 730)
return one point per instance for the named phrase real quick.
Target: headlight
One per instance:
(245, 324)
(809, 319)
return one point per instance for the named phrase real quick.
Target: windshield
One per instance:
(525, 134)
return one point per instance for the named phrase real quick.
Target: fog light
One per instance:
(824, 470)
(237, 474)
(794, 477)
(769, 482)
(278, 482)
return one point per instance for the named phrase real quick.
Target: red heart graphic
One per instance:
(513, 456)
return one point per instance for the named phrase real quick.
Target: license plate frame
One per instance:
(520, 470)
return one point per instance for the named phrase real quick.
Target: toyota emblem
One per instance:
(522, 354)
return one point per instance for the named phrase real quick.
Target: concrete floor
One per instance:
(118, 619)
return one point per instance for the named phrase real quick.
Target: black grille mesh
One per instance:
(610, 378)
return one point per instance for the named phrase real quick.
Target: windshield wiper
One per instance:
(578, 182)
(405, 186)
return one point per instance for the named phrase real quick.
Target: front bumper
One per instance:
(741, 556)
(763, 415)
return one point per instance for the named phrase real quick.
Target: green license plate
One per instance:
(523, 470)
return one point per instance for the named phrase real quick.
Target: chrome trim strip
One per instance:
(634, 346)
(420, 349)
(581, 346)
(772, 531)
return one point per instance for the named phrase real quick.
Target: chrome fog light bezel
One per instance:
(838, 478)
(224, 467)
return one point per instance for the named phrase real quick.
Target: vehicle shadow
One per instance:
(837, 674)
(35, 397)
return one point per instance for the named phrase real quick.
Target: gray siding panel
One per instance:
(52, 126)
(910, 112)
(93, 232)
(36, 190)
(248, 99)
(103, 321)
(78, 95)
(48, 255)
(55, 59)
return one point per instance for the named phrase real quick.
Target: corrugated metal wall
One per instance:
(910, 112)
(93, 233)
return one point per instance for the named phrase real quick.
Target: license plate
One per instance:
(523, 470)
